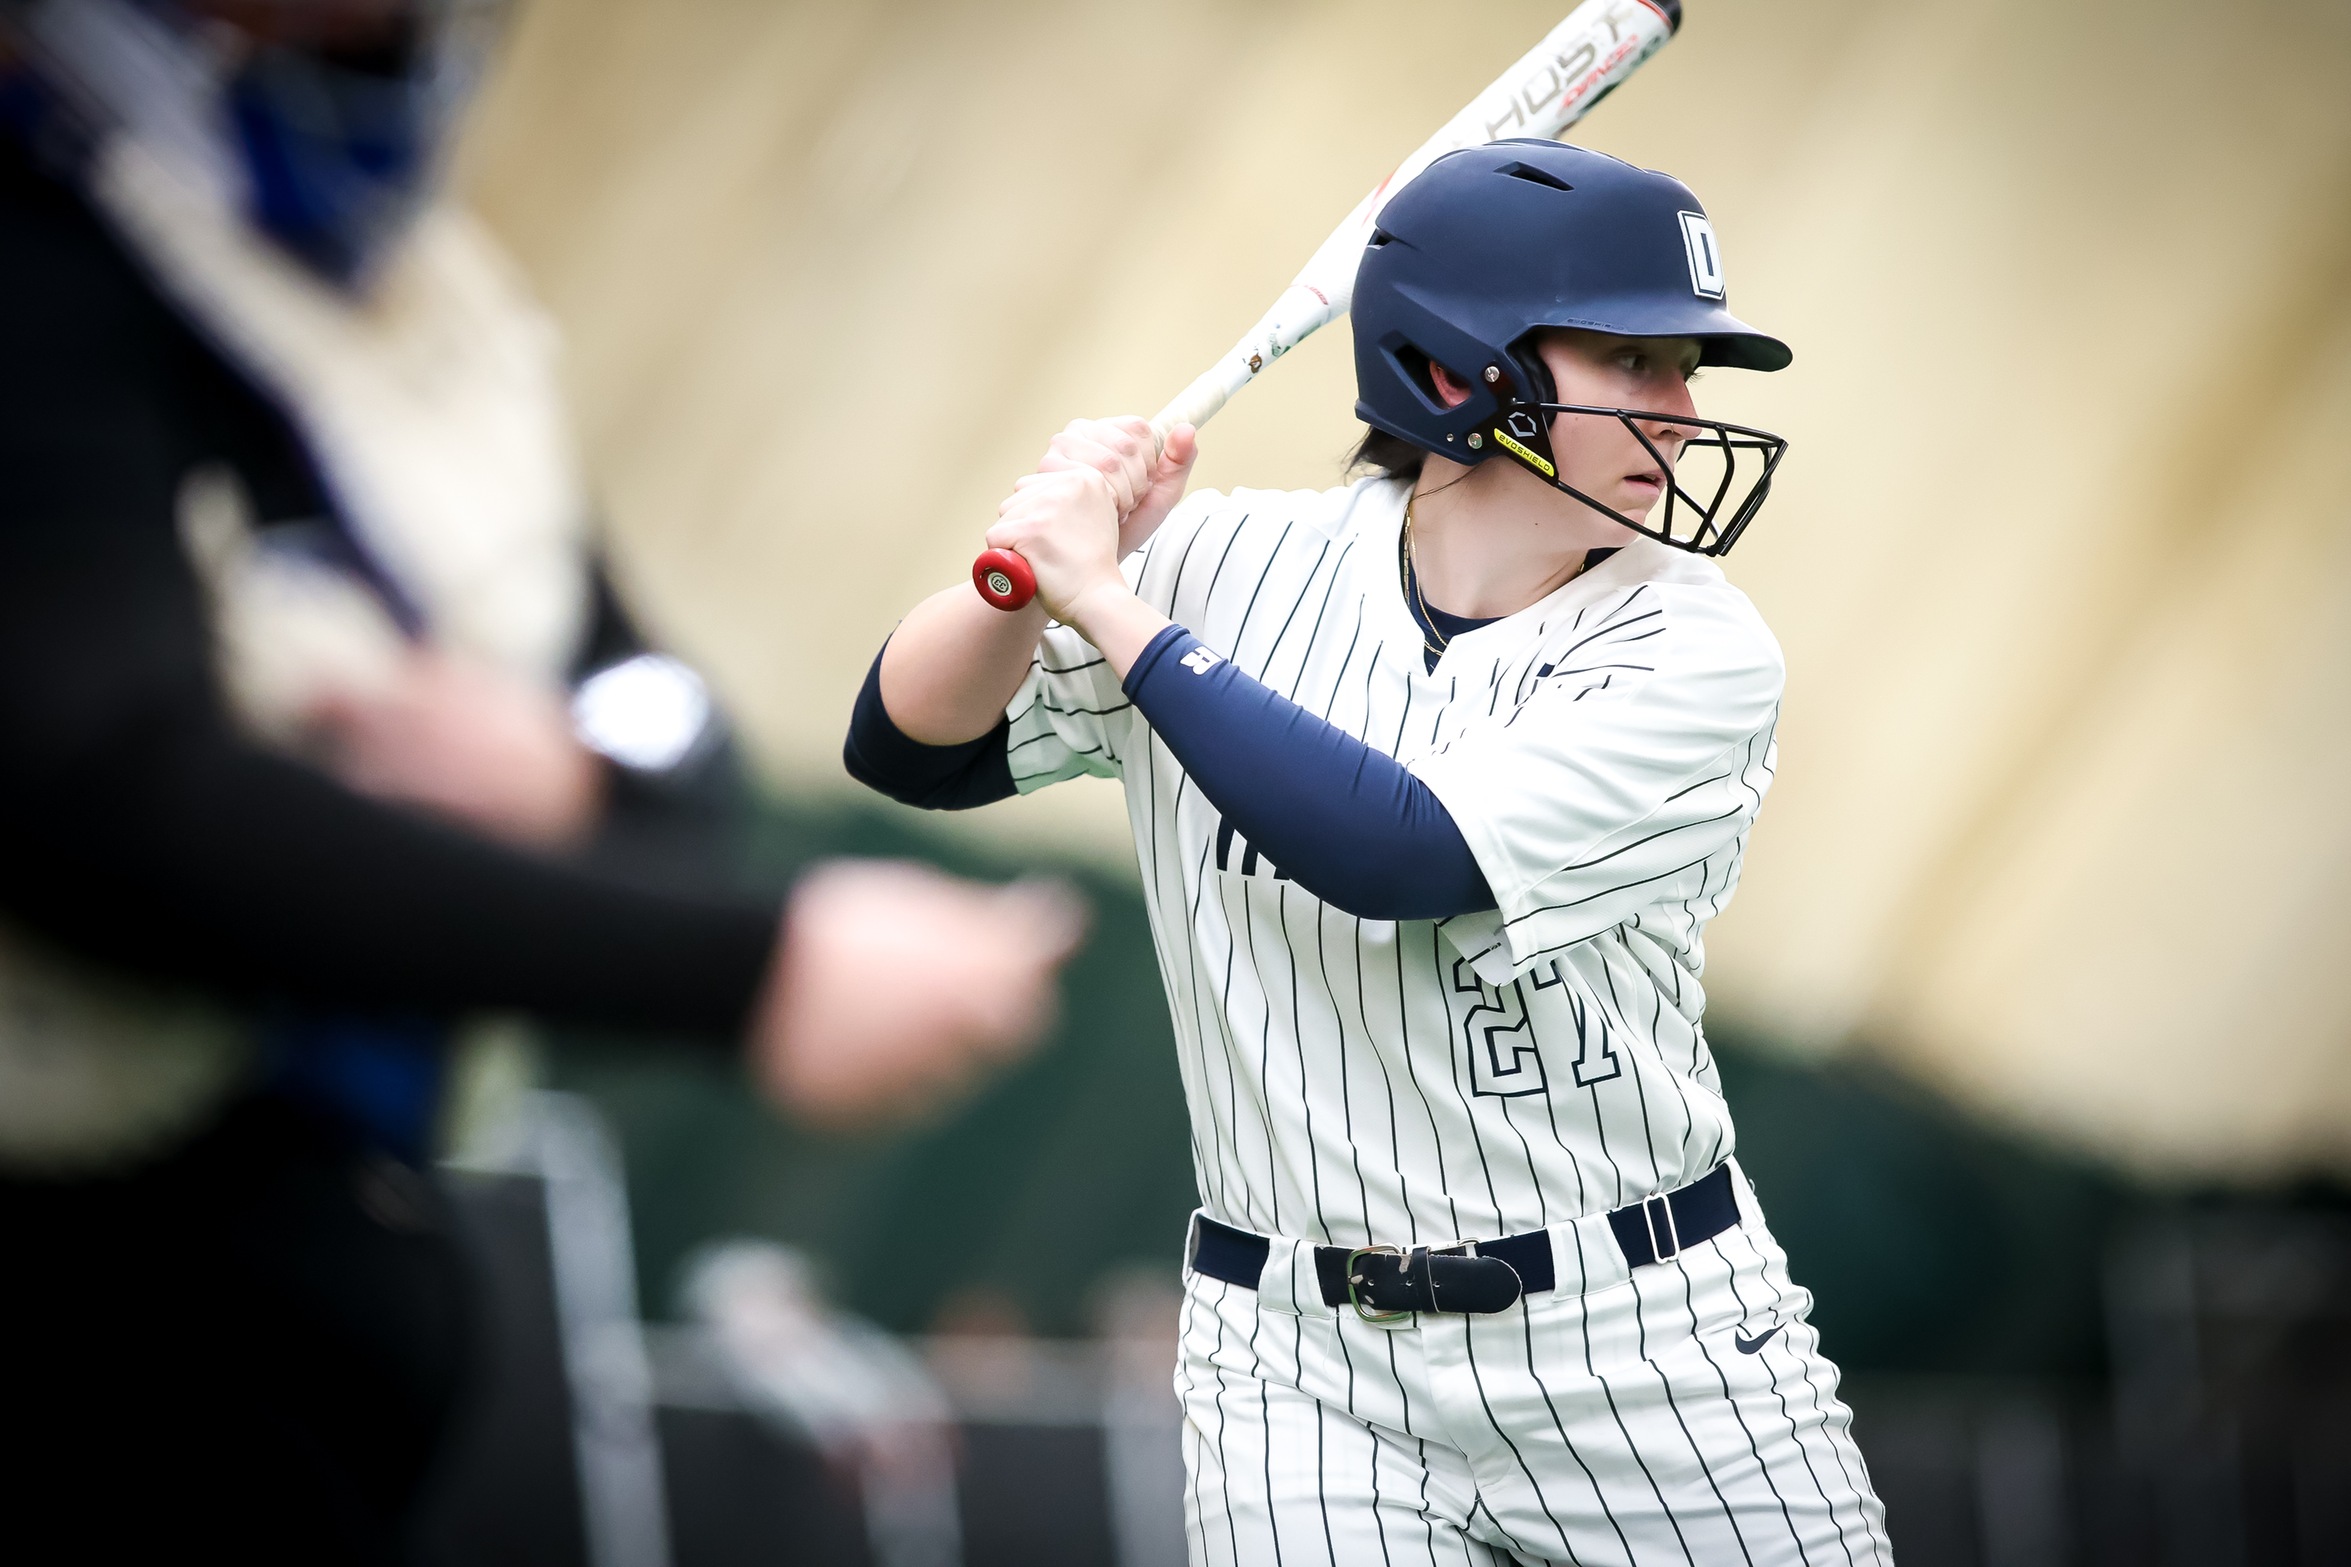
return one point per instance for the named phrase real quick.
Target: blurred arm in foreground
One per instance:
(402, 864)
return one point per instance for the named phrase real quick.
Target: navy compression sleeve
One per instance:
(886, 759)
(1342, 820)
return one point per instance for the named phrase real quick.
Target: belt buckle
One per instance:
(1649, 1208)
(1355, 1280)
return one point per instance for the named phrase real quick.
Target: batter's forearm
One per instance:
(954, 664)
(1119, 624)
(1341, 819)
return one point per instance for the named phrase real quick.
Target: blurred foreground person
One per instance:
(318, 729)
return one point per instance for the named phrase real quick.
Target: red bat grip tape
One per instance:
(1004, 579)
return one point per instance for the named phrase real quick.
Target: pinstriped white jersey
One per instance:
(1604, 752)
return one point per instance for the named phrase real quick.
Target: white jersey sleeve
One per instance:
(1068, 718)
(1060, 716)
(1639, 762)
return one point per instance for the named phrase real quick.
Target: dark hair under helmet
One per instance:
(1489, 245)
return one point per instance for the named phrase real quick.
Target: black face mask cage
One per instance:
(1714, 486)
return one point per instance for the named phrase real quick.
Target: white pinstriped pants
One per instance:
(1611, 1420)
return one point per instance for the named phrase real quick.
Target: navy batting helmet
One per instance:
(1488, 246)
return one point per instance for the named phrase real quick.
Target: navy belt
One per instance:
(1383, 1283)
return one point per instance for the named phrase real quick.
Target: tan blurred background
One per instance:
(2061, 558)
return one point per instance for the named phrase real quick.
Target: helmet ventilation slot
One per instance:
(1534, 176)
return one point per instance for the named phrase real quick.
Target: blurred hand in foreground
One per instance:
(897, 987)
(466, 742)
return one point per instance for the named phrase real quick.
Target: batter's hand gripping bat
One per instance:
(1600, 44)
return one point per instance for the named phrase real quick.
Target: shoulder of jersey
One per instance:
(1705, 606)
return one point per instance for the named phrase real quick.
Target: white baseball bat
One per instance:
(1550, 88)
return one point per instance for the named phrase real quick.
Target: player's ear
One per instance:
(1452, 390)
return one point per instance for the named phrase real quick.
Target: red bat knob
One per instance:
(1004, 579)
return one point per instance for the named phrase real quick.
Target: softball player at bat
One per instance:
(1435, 781)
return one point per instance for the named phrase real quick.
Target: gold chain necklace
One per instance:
(1428, 619)
(1434, 640)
